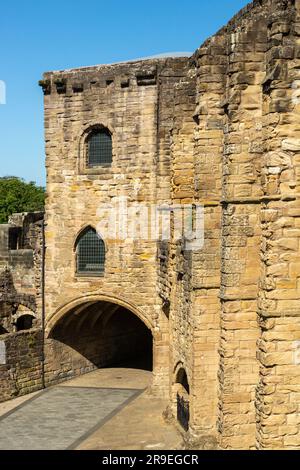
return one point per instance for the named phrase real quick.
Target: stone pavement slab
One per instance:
(60, 417)
(10, 405)
(108, 409)
(138, 426)
(113, 378)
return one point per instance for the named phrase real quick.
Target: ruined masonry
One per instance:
(21, 339)
(220, 325)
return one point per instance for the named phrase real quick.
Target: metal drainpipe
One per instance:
(43, 301)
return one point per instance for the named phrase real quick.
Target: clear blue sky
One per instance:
(38, 36)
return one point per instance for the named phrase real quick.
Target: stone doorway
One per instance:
(94, 336)
(182, 390)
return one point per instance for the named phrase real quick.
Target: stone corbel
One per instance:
(46, 86)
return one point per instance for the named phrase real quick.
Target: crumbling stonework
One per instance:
(260, 191)
(21, 352)
(20, 269)
(21, 363)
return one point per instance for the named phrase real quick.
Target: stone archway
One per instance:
(79, 304)
(94, 334)
(181, 396)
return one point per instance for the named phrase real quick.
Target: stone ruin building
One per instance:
(219, 325)
(21, 274)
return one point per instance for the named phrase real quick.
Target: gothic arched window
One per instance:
(90, 253)
(99, 148)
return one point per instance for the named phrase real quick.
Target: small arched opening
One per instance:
(182, 388)
(182, 380)
(100, 334)
(24, 322)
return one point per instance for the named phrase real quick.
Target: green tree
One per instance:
(16, 195)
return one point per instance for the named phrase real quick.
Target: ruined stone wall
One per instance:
(208, 153)
(278, 308)
(20, 363)
(21, 269)
(31, 240)
(251, 66)
(180, 260)
(20, 296)
(241, 232)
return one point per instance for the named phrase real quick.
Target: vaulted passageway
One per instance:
(98, 335)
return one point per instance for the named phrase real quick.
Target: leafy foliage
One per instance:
(16, 195)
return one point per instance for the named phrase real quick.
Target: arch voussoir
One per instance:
(59, 314)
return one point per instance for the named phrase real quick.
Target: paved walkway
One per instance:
(108, 409)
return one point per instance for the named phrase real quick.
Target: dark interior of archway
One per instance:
(25, 322)
(102, 335)
(183, 380)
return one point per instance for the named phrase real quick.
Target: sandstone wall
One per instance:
(20, 363)
(278, 307)
(21, 269)
(247, 73)
(134, 101)
(219, 130)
